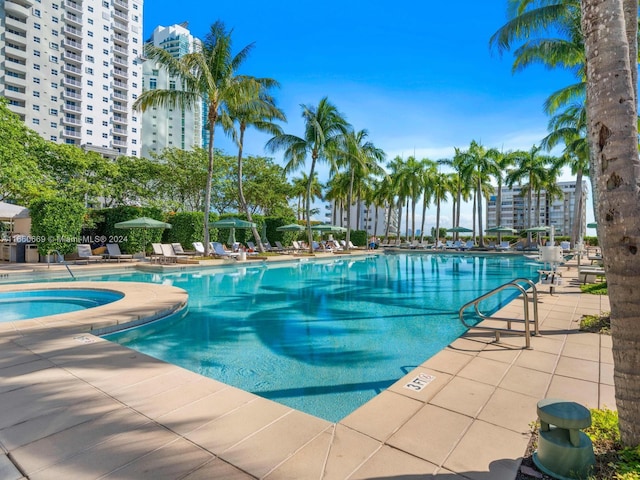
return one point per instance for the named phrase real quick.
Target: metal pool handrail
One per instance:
(527, 326)
(60, 260)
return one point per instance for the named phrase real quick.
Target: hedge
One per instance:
(56, 224)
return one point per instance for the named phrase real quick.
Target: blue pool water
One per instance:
(38, 303)
(322, 337)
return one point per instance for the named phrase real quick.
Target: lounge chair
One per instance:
(177, 248)
(588, 274)
(157, 253)
(467, 246)
(503, 246)
(169, 254)
(85, 253)
(198, 247)
(279, 248)
(566, 246)
(219, 251)
(296, 246)
(114, 253)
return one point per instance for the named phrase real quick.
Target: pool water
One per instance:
(322, 337)
(24, 305)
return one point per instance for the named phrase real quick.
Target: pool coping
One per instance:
(471, 420)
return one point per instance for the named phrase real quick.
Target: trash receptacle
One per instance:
(31, 253)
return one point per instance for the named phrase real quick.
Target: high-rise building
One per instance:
(556, 210)
(71, 70)
(169, 127)
(366, 217)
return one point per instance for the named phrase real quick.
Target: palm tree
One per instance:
(462, 183)
(480, 166)
(442, 185)
(252, 107)
(208, 75)
(504, 162)
(324, 131)
(397, 190)
(427, 180)
(612, 101)
(360, 158)
(337, 192)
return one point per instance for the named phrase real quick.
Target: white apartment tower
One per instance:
(169, 127)
(366, 217)
(71, 70)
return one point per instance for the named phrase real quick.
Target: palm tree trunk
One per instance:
(612, 132)
(308, 202)
(400, 205)
(207, 192)
(424, 213)
(243, 202)
(479, 187)
(577, 227)
(349, 198)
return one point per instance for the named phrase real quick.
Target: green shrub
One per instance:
(187, 228)
(359, 238)
(131, 240)
(56, 224)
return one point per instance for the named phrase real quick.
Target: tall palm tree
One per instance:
(612, 110)
(480, 166)
(254, 107)
(397, 189)
(462, 182)
(427, 180)
(208, 75)
(337, 192)
(324, 131)
(442, 185)
(360, 158)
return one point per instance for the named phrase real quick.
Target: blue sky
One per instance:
(420, 78)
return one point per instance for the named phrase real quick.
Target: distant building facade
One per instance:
(365, 217)
(169, 127)
(71, 70)
(557, 211)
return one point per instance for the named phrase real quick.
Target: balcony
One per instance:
(68, 93)
(120, 119)
(121, 50)
(119, 131)
(120, 96)
(121, 3)
(16, 51)
(16, 9)
(120, 61)
(71, 133)
(122, 15)
(70, 43)
(73, 19)
(69, 107)
(71, 69)
(73, 7)
(120, 143)
(71, 57)
(119, 72)
(119, 84)
(67, 120)
(119, 108)
(123, 27)
(71, 81)
(73, 31)
(18, 96)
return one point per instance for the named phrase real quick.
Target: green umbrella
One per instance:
(460, 230)
(501, 229)
(144, 223)
(539, 229)
(328, 228)
(232, 223)
(592, 225)
(292, 227)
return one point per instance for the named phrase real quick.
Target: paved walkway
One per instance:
(82, 407)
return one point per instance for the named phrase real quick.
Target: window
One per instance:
(172, 84)
(37, 26)
(90, 9)
(36, 94)
(89, 58)
(105, 99)
(135, 40)
(36, 12)
(54, 19)
(54, 71)
(89, 132)
(88, 120)
(54, 33)
(134, 96)
(89, 70)
(135, 130)
(105, 39)
(105, 51)
(36, 66)
(36, 39)
(105, 88)
(89, 33)
(89, 107)
(135, 51)
(53, 111)
(35, 121)
(105, 28)
(54, 85)
(134, 152)
(89, 95)
(104, 135)
(135, 74)
(54, 98)
(105, 111)
(105, 4)
(134, 141)
(105, 64)
(153, 84)
(135, 119)
(90, 83)
(53, 46)
(54, 125)
(105, 124)
(90, 21)
(36, 53)
(90, 46)
(36, 108)
(53, 59)
(134, 85)
(55, 6)
(53, 138)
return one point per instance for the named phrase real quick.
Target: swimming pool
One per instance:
(28, 304)
(322, 336)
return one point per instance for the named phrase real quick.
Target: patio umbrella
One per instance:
(500, 230)
(232, 223)
(592, 225)
(328, 228)
(292, 227)
(143, 223)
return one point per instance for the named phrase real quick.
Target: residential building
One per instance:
(363, 216)
(71, 70)
(169, 127)
(553, 210)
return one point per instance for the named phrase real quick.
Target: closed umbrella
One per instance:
(143, 223)
(232, 223)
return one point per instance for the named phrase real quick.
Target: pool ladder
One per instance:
(60, 260)
(527, 321)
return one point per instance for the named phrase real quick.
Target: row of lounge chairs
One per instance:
(112, 253)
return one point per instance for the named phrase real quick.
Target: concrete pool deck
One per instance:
(82, 407)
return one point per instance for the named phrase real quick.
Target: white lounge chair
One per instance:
(198, 247)
(114, 253)
(219, 251)
(503, 246)
(177, 248)
(85, 253)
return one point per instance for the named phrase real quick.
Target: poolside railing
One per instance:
(497, 330)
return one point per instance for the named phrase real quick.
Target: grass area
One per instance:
(595, 288)
(596, 323)
(613, 461)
